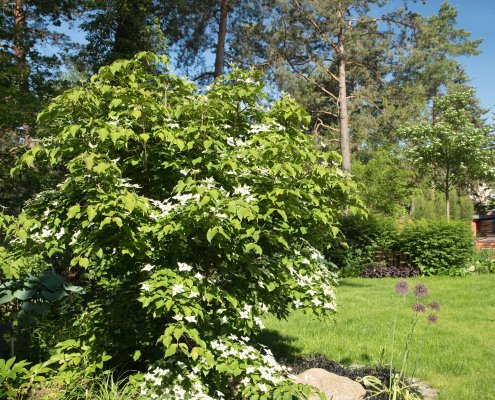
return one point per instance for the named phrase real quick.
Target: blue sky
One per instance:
(475, 16)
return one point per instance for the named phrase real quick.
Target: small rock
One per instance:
(427, 392)
(335, 387)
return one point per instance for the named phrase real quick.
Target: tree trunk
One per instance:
(21, 60)
(343, 113)
(447, 204)
(19, 48)
(130, 37)
(222, 33)
(447, 192)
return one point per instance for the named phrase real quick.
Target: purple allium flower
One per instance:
(434, 305)
(432, 318)
(402, 287)
(420, 290)
(418, 307)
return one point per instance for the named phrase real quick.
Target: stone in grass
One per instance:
(426, 392)
(335, 387)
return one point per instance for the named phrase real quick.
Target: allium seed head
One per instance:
(420, 290)
(432, 318)
(434, 305)
(402, 288)
(418, 307)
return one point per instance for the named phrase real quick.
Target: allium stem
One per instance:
(392, 351)
(409, 341)
(420, 352)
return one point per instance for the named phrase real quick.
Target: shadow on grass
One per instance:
(282, 346)
(345, 282)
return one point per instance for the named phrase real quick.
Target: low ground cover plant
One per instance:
(184, 217)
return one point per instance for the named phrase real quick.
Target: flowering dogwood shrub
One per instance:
(187, 215)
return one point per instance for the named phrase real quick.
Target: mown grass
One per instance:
(458, 355)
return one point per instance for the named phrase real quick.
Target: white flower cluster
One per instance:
(236, 142)
(169, 384)
(246, 313)
(125, 182)
(183, 199)
(318, 280)
(257, 128)
(46, 233)
(178, 380)
(260, 368)
(245, 192)
(167, 207)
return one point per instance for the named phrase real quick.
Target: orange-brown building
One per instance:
(484, 230)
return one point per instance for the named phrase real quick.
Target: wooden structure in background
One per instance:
(484, 230)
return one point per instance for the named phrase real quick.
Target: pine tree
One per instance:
(28, 79)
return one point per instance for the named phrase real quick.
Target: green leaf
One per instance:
(282, 214)
(115, 135)
(25, 294)
(195, 353)
(211, 233)
(115, 103)
(103, 133)
(185, 348)
(91, 211)
(6, 298)
(53, 296)
(73, 211)
(73, 129)
(21, 234)
(101, 167)
(84, 262)
(137, 355)
(282, 240)
(253, 246)
(335, 231)
(28, 159)
(129, 202)
(171, 350)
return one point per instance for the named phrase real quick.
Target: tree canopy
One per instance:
(452, 151)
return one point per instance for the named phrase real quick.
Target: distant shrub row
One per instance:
(432, 247)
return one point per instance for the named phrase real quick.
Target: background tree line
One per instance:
(365, 70)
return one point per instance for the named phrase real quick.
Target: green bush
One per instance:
(438, 247)
(361, 238)
(186, 216)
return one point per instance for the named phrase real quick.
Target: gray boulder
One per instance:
(335, 387)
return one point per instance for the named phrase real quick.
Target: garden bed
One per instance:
(354, 372)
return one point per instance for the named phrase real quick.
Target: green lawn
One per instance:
(459, 351)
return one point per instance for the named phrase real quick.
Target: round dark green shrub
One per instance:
(437, 247)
